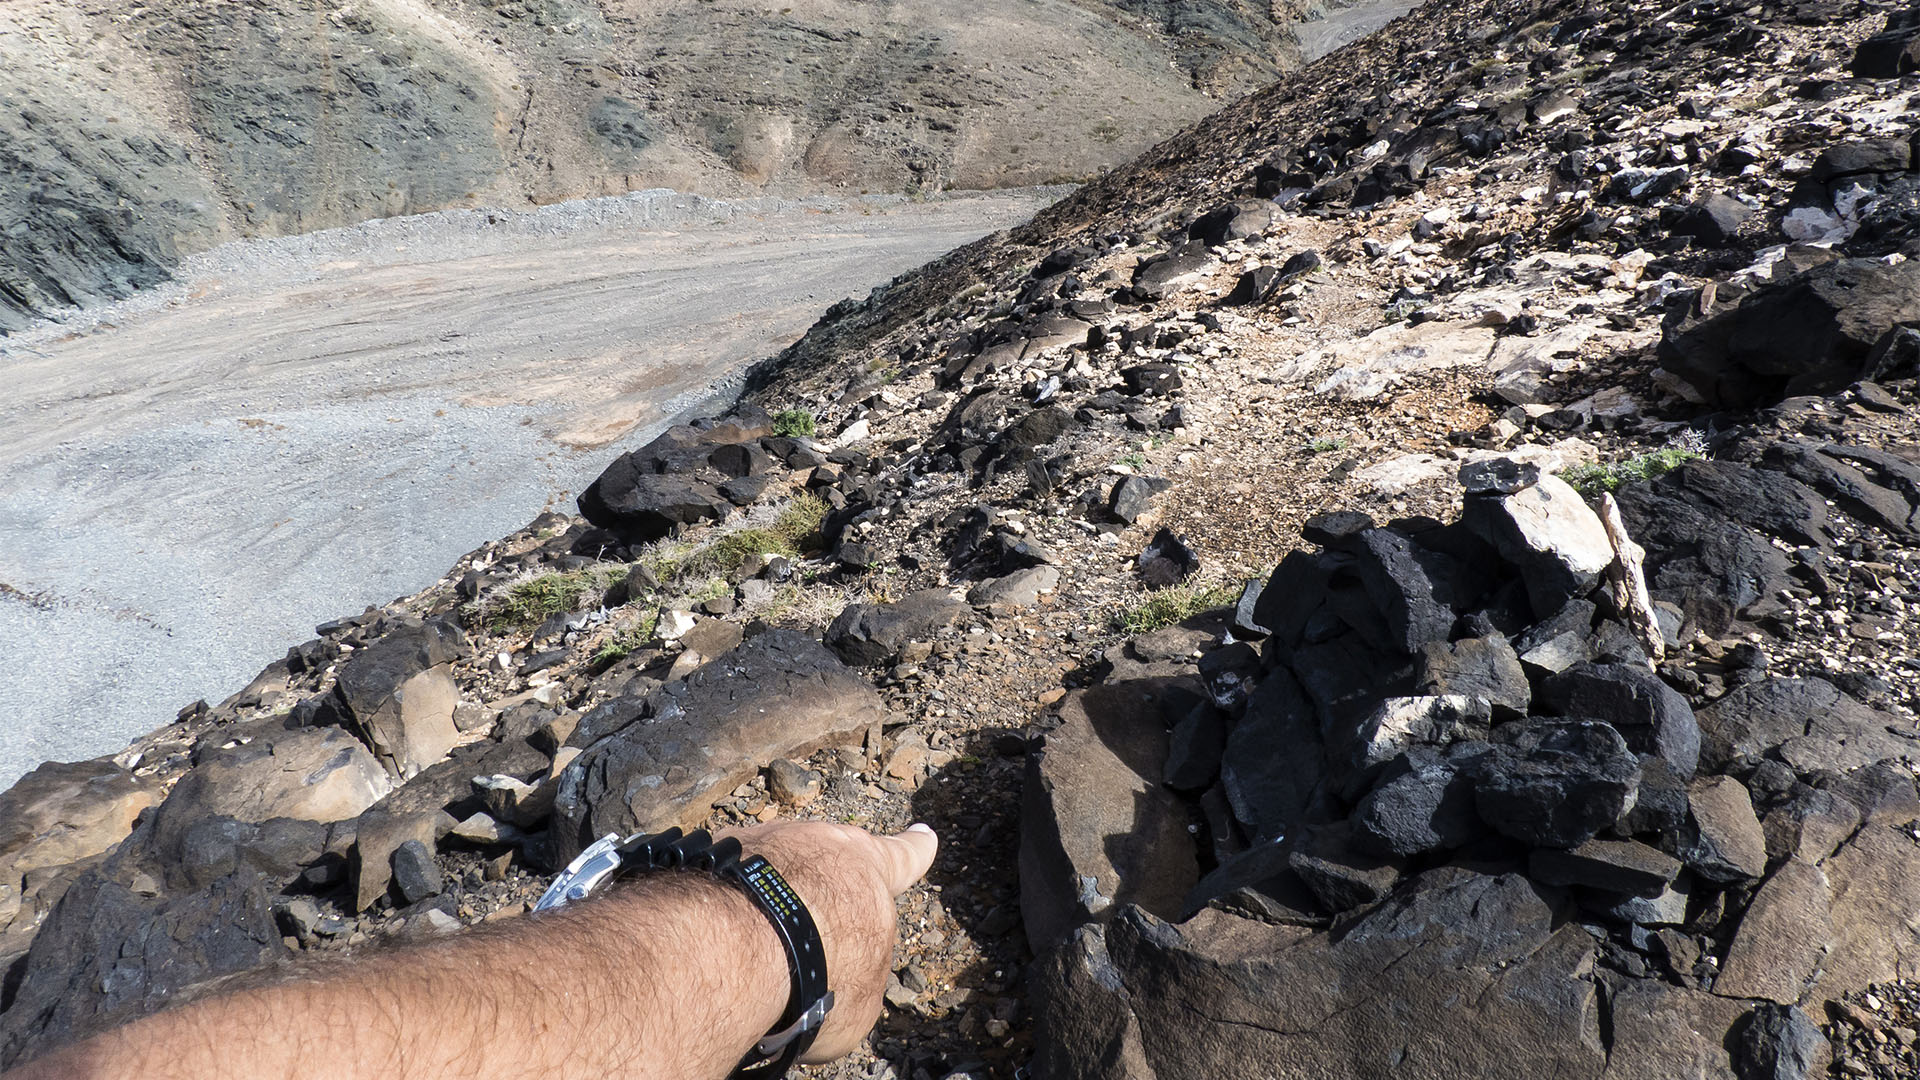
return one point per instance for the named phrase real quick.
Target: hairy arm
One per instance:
(672, 975)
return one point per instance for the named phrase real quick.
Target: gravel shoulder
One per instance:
(308, 425)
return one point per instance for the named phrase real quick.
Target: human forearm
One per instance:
(670, 976)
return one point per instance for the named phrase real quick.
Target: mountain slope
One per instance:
(131, 136)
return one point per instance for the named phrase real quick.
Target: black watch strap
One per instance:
(809, 1001)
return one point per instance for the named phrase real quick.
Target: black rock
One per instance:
(1484, 667)
(1272, 766)
(1652, 716)
(1339, 875)
(1413, 587)
(1556, 784)
(1660, 807)
(740, 459)
(1812, 332)
(110, 951)
(1167, 560)
(1151, 380)
(1194, 748)
(1253, 286)
(1333, 528)
(643, 507)
(875, 633)
(1133, 496)
(1614, 866)
(416, 876)
(1299, 264)
(1230, 674)
(1779, 1042)
(1715, 219)
(1234, 221)
(1423, 802)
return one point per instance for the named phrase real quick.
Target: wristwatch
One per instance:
(810, 1001)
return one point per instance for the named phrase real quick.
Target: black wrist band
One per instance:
(809, 1001)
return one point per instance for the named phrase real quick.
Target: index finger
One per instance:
(908, 855)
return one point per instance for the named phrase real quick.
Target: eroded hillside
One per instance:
(129, 134)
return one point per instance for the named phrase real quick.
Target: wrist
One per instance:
(700, 955)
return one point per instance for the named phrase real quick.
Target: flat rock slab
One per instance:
(779, 695)
(1097, 828)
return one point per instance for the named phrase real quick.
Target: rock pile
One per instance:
(1449, 817)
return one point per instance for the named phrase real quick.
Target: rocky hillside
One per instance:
(1415, 576)
(130, 135)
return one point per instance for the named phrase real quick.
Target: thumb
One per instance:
(908, 855)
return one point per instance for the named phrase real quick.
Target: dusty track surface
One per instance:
(301, 427)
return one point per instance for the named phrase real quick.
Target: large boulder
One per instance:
(1097, 828)
(1813, 331)
(62, 813)
(1223, 996)
(1894, 51)
(779, 695)
(400, 695)
(115, 948)
(310, 774)
(674, 480)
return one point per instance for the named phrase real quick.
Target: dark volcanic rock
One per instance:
(875, 633)
(1272, 767)
(1811, 332)
(1722, 840)
(1208, 997)
(111, 950)
(1097, 828)
(1652, 716)
(1340, 875)
(1167, 560)
(1894, 51)
(1779, 1042)
(1485, 668)
(1423, 802)
(1556, 784)
(779, 695)
(1615, 866)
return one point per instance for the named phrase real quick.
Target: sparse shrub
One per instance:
(1592, 480)
(793, 532)
(623, 642)
(530, 602)
(1326, 446)
(793, 423)
(1173, 604)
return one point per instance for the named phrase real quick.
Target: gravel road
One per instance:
(303, 426)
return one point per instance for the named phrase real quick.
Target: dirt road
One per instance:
(305, 426)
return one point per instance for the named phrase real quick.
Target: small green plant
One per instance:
(1135, 461)
(1326, 446)
(793, 532)
(623, 642)
(528, 603)
(1592, 480)
(1173, 604)
(793, 423)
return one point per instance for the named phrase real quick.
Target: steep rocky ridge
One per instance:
(129, 135)
(1364, 589)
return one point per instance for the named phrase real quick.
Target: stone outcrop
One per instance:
(1387, 865)
(662, 760)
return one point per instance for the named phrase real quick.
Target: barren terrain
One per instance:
(306, 426)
